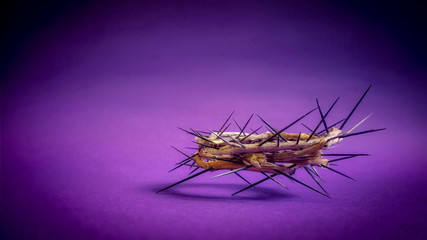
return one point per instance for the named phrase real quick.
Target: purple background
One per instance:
(92, 100)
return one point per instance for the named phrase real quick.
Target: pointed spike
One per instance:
(201, 144)
(200, 135)
(333, 125)
(299, 137)
(298, 181)
(244, 179)
(187, 132)
(253, 185)
(345, 154)
(225, 129)
(343, 158)
(237, 124)
(283, 129)
(237, 141)
(180, 151)
(246, 124)
(185, 179)
(232, 171)
(311, 175)
(323, 118)
(358, 133)
(274, 180)
(254, 131)
(317, 173)
(321, 115)
(340, 173)
(194, 170)
(179, 165)
(354, 109)
(226, 121)
(272, 129)
(309, 129)
(355, 126)
(225, 141)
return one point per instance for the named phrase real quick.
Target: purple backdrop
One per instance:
(92, 102)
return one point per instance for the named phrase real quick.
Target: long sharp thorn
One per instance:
(201, 144)
(187, 132)
(186, 179)
(299, 137)
(309, 129)
(180, 165)
(232, 171)
(358, 133)
(283, 129)
(333, 125)
(345, 154)
(272, 129)
(237, 141)
(244, 179)
(311, 175)
(226, 121)
(246, 124)
(180, 151)
(274, 180)
(352, 111)
(322, 116)
(253, 185)
(343, 158)
(237, 125)
(225, 129)
(225, 141)
(355, 126)
(317, 173)
(340, 173)
(298, 181)
(194, 170)
(254, 131)
(200, 135)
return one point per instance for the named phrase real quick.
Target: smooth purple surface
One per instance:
(92, 103)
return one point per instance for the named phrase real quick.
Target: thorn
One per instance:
(298, 181)
(253, 185)
(237, 141)
(226, 121)
(225, 129)
(358, 133)
(186, 179)
(201, 144)
(200, 135)
(194, 170)
(225, 141)
(246, 124)
(237, 125)
(283, 129)
(274, 180)
(323, 118)
(352, 111)
(180, 151)
(333, 125)
(180, 165)
(254, 131)
(309, 129)
(309, 173)
(321, 115)
(343, 158)
(232, 171)
(299, 136)
(317, 173)
(355, 126)
(340, 173)
(345, 154)
(244, 179)
(272, 129)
